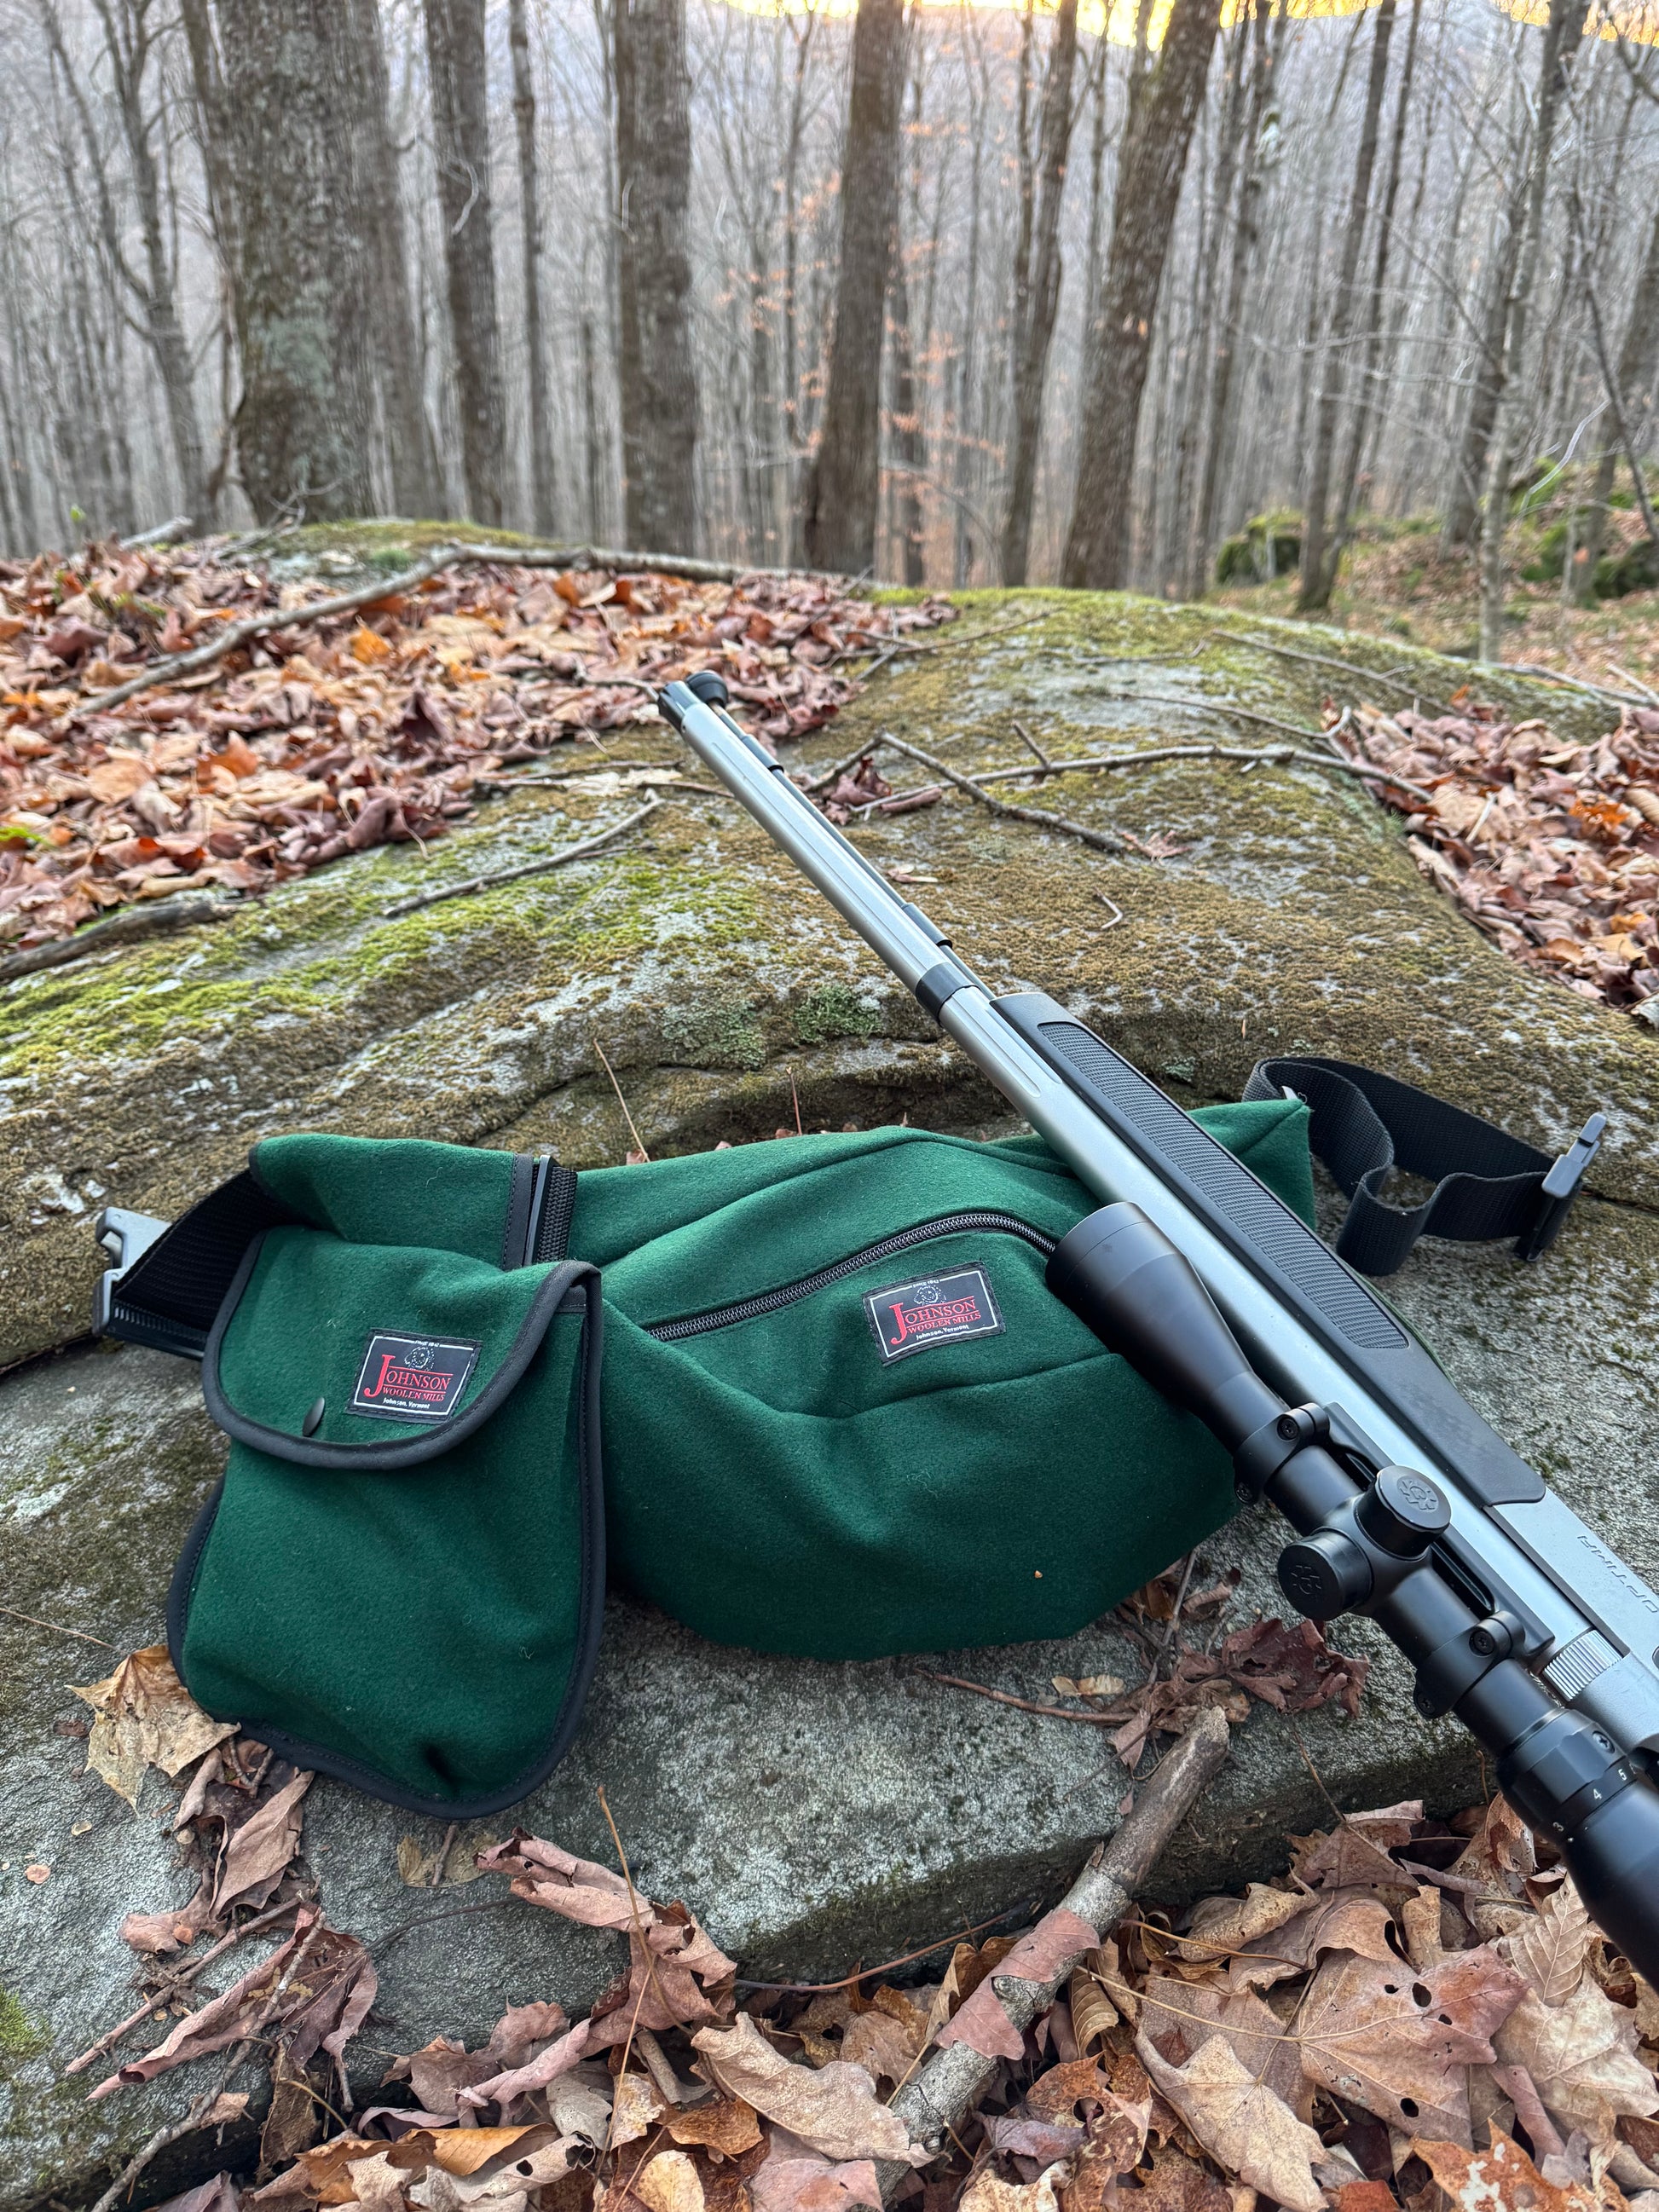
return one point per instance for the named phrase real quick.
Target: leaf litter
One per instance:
(1418, 2015)
(383, 725)
(1551, 848)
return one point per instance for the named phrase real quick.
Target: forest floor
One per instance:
(1417, 2016)
(1397, 582)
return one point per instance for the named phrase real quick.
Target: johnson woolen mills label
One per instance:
(931, 1309)
(412, 1378)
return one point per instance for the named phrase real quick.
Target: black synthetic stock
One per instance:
(1302, 1274)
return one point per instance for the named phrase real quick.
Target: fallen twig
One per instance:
(111, 2037)
(1331, 660)
(1025, 1705)
(837, 769)
(1028, 740)
(1212, 706)
(940, 2096)
(57, 1627)
(487, 883)
(154, 920)
(1572, 683)
(1100, 764)
(200, 2106)
(1104, 840)
(869, 1974)
(666, 780)
(639, 1146)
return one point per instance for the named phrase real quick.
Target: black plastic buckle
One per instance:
(1560, 1188)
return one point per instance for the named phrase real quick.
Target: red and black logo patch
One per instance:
(412, 1378)
(931, 1309)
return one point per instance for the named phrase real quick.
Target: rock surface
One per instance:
(811, 1814)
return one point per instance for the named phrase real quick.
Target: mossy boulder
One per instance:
(812, 1814)
(1269, 545)
(1635, 569)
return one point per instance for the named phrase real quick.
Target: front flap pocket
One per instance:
(400, 1580)
(376, 1357)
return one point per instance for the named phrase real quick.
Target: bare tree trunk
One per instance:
(840, 495)
(416, 479)
(1037, 305)
(910, 452)
(654, 184)
(967, 349)
(458, 64)
(302, 287)
(529, 225)
(1246, 230)
(1318, 575)
(1153, 163)
(1463, 511)
(594, 435)
(1639, 365)
(1366, 396)
(1563, 35)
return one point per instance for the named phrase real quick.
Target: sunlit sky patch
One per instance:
(1635, 20)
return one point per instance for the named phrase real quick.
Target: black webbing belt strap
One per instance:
(1486, 1182)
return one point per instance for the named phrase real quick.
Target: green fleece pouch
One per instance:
(843, 1418)
(400, 1580)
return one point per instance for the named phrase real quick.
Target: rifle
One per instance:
(1408, 1508)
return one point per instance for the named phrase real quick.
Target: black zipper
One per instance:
(765, 1302)
(550, 1213)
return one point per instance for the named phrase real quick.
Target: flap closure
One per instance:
(377, 1357)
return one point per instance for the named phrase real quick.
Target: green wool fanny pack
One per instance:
(842, 1415)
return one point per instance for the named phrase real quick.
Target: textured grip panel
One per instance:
(1269, 1226)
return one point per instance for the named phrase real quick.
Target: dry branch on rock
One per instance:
(336, 722)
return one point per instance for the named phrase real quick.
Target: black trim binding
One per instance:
(581, 1287)
(305, 1452)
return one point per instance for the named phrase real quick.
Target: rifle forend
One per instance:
(1407, 1506)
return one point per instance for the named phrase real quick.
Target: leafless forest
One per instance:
(947, 294)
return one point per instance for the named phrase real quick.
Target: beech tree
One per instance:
(843, 484)
(283, 104)
(1036, 289)
(1563, 34)
(530, 230)
(458, 65)
(1319, 574)
(1151, 168)
(658, 374)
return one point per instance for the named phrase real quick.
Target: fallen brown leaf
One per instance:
(145, 1717)
(1242, 2124)
(833, 2109)
(1400, 2043)
(1501, 2179)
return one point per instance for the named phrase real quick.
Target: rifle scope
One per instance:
(1373, 1540)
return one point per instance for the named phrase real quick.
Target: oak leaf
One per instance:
(986, 2193)
(1245, 2126)
(1336, 1920)
(727, 2124)
(1220, 1925)
(1180, 2016)
(791, 2182)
